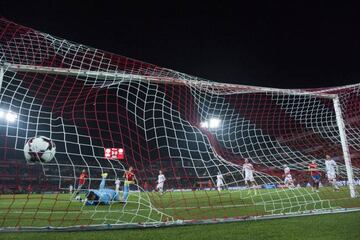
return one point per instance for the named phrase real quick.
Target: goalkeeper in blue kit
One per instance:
(101, 196)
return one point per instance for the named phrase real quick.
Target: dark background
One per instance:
(277, 44)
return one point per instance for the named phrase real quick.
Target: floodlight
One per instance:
(11, 117)
(204, 124)
(214, 123)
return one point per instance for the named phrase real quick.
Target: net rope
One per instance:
(85, 99)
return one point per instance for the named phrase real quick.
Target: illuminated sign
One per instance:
(114, 153)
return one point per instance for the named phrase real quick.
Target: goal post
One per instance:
(201, 151)
(1, 77)
(345, 147)
(119, 76)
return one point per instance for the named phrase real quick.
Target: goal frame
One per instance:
(120, 75)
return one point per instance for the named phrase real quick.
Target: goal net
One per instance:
(223, 149)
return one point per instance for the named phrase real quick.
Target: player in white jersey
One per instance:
(288, 180)
(117, 185)
(219, 181)
(331, 170)
(248, 169)
(160, 182)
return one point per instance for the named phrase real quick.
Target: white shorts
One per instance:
(160, 185)
(249, 177)
(219, 183)
(331, 175)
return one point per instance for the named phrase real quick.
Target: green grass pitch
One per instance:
(323, 227)
(56, 210)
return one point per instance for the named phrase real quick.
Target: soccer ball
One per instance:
(78, 198)
(39, 149)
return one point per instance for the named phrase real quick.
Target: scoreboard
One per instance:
(114, 153)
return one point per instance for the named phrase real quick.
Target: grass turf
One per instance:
(41, 210)
(322, 227)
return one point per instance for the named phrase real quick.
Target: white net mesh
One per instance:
(85, 99)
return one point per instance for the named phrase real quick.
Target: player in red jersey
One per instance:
(129, 179)
(82, 180)
(315, 175)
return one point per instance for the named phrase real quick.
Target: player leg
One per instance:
(126, 192)
(103, 179)
(316, 185)
(161, 188)
(292, 185)
(336, 187)
(334, 184)
(116, 197)
(286, 182)
(313, 185)
(102, 183)
(317, 182)
(332, 180)
(254, 185)
(157, 187)
(247, 184)
(289, 182)
(77, 191)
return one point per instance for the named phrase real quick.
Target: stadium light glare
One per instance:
(204, 124)
(8, 116)
(212, 123)
(11, 117)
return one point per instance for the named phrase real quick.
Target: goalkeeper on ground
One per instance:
(101, 196)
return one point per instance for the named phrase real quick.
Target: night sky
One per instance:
(286, 45)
